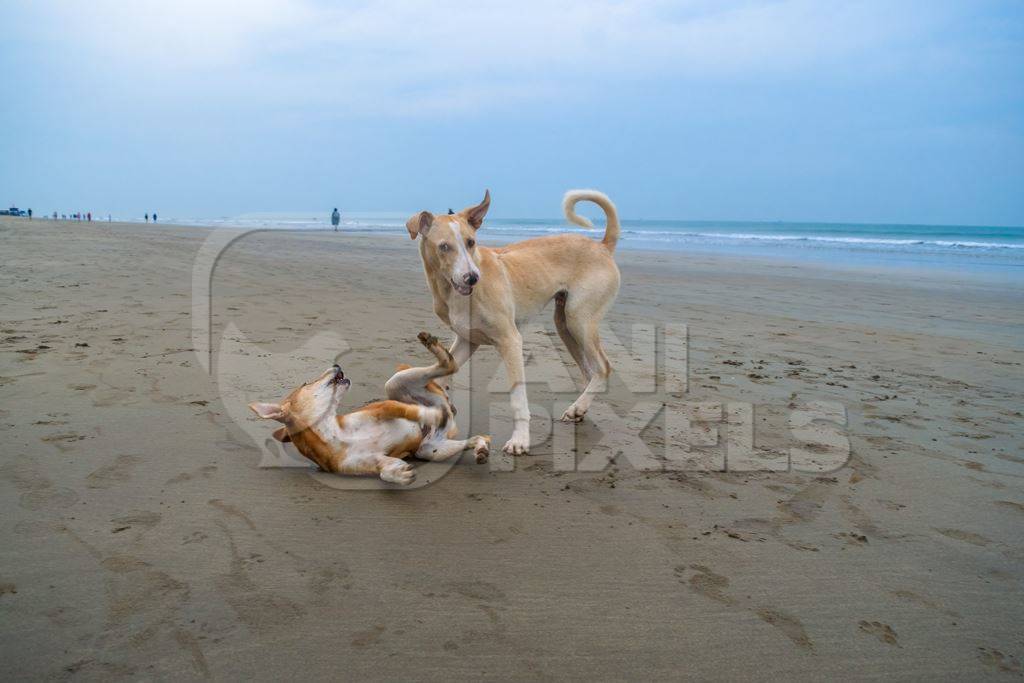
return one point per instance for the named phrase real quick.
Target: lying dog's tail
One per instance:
(611, 232)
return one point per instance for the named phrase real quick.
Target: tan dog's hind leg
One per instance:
(583, 313)
(570, 341)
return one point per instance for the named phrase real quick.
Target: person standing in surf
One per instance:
(335, 219)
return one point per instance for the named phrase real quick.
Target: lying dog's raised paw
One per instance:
(482, 449)
(427, 339)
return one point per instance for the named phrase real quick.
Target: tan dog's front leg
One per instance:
(511, 350)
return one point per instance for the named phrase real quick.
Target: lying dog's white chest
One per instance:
(385, 433)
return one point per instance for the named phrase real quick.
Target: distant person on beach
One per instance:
(335, 219)
(147, 217)
(88, 216)
(29, 214)
(154, 218)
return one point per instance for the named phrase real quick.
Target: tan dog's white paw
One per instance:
(573, 414)
(519, 444)
(399, 474)
(482, 449)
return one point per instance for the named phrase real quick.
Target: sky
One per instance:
(895, 111)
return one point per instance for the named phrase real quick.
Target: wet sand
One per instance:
(143, 539)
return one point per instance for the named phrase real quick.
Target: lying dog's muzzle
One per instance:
(338, 377)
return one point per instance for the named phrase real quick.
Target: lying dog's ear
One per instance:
(475, 215)
(402, 366)
(419, 224)
(282, 435)
(268, 411)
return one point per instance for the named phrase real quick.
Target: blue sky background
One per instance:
(884, 112)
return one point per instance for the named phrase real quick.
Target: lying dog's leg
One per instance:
(409, 385)
(461, 350)
(383, 411)
(511, 350)
(446, 364)
(442, 450)
(395, 470)
(389, 469)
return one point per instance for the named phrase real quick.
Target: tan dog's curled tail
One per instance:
(611, 232)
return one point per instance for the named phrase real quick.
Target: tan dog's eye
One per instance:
(443, 246)
(471, 243)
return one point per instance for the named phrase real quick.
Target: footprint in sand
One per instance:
(141, 518)
(1011, 505)
(912, 597)
(995, 659)
(37, 492)
(117, 472)
(206, 471)
(325, 578)
(368, 637)
(63, 441)
(703, 581)
(965, 536)
(881, 631)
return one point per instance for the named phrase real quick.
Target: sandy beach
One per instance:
(143, 539)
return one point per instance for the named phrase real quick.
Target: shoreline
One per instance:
(887, 265)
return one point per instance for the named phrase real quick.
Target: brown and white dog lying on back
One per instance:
(418, 420)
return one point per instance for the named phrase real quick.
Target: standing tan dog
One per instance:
(484, 293)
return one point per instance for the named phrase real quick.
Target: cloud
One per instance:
(401, 56)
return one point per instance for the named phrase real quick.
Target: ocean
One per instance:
(992, 250)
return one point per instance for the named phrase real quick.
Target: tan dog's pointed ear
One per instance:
(402, 366)
(419, 224)
(282, 435)
(268, 411)
(475, 215)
